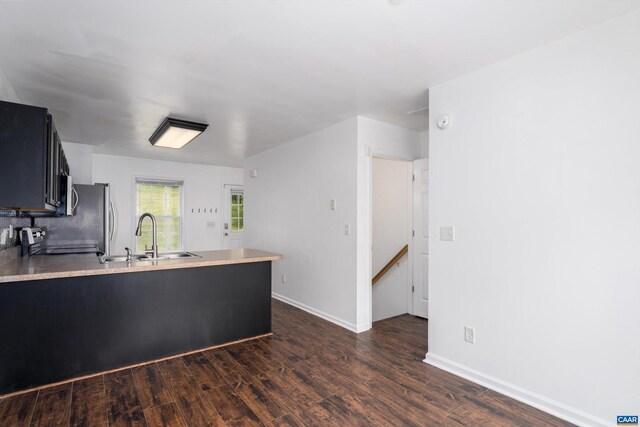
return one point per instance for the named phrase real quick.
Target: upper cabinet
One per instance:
(32, 161)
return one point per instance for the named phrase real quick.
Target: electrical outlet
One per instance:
(284, 279)
(347, 229)
(469, 335)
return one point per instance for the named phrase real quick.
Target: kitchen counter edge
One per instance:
(45, 267)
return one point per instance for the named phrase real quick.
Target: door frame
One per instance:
(413, 278)
(224, 212)
(409, 230)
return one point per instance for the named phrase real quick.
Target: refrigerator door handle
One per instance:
(76, 201)
(112, 219)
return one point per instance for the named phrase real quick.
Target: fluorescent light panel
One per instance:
(174, 133)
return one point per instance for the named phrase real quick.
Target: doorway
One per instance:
(233, 216)
(391, 224)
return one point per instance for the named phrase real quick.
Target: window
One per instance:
(163, 199)
(237, 210)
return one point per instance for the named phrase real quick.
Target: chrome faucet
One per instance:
(154, 231)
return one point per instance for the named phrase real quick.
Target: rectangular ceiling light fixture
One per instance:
(174, 133)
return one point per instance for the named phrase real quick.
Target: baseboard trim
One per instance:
(326, 316)
(560, 410)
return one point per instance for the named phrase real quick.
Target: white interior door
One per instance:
(233, 211)
(421, 238)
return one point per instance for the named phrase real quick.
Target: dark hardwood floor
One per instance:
(310, 372)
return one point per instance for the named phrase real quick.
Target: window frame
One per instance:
(157, 180)
(240, 193)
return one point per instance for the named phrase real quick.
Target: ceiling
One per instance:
(259, 72)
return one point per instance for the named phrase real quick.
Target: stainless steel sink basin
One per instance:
(135, 258)
(121, 258)
(173, 255)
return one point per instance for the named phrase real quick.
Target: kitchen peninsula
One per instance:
(63, 317)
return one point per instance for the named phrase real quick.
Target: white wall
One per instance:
(80, 158)
(203, 186)
(288, 211)
(424, 145)
(540, 174)
(6, 89)
(390, 224)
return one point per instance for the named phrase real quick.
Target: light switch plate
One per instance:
(332, 204)
(448, 233)
(347, 229)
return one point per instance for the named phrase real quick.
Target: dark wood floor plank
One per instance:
(511, 405)
(288, 420)
(17, 410)
(260, 401)
(88, 382)
(199, 412)
(151, 387)
(193, 405)
(391, 393)
(89, 403)
(332, 411)
(205, 374)
(290, 350)
(179, 380)
(123, 404)
(253, 360)
(303, 388)
(52, 409)
(232, 409)
(229, 367)
(493, 407)
(117, 374)
(417, 369)
(56, 388)
(470, 416)
(164, 416)
(377, 411)
(339, 383)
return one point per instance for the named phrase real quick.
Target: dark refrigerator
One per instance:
(88, 230)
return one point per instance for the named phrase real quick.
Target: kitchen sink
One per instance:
(174, 255)
(135, 258)
(122, 258)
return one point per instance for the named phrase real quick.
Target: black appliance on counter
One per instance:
(89, 230)
(31, 239)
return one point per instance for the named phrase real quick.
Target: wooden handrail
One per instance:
(387, 267)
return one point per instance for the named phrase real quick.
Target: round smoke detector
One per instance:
(443, 121)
